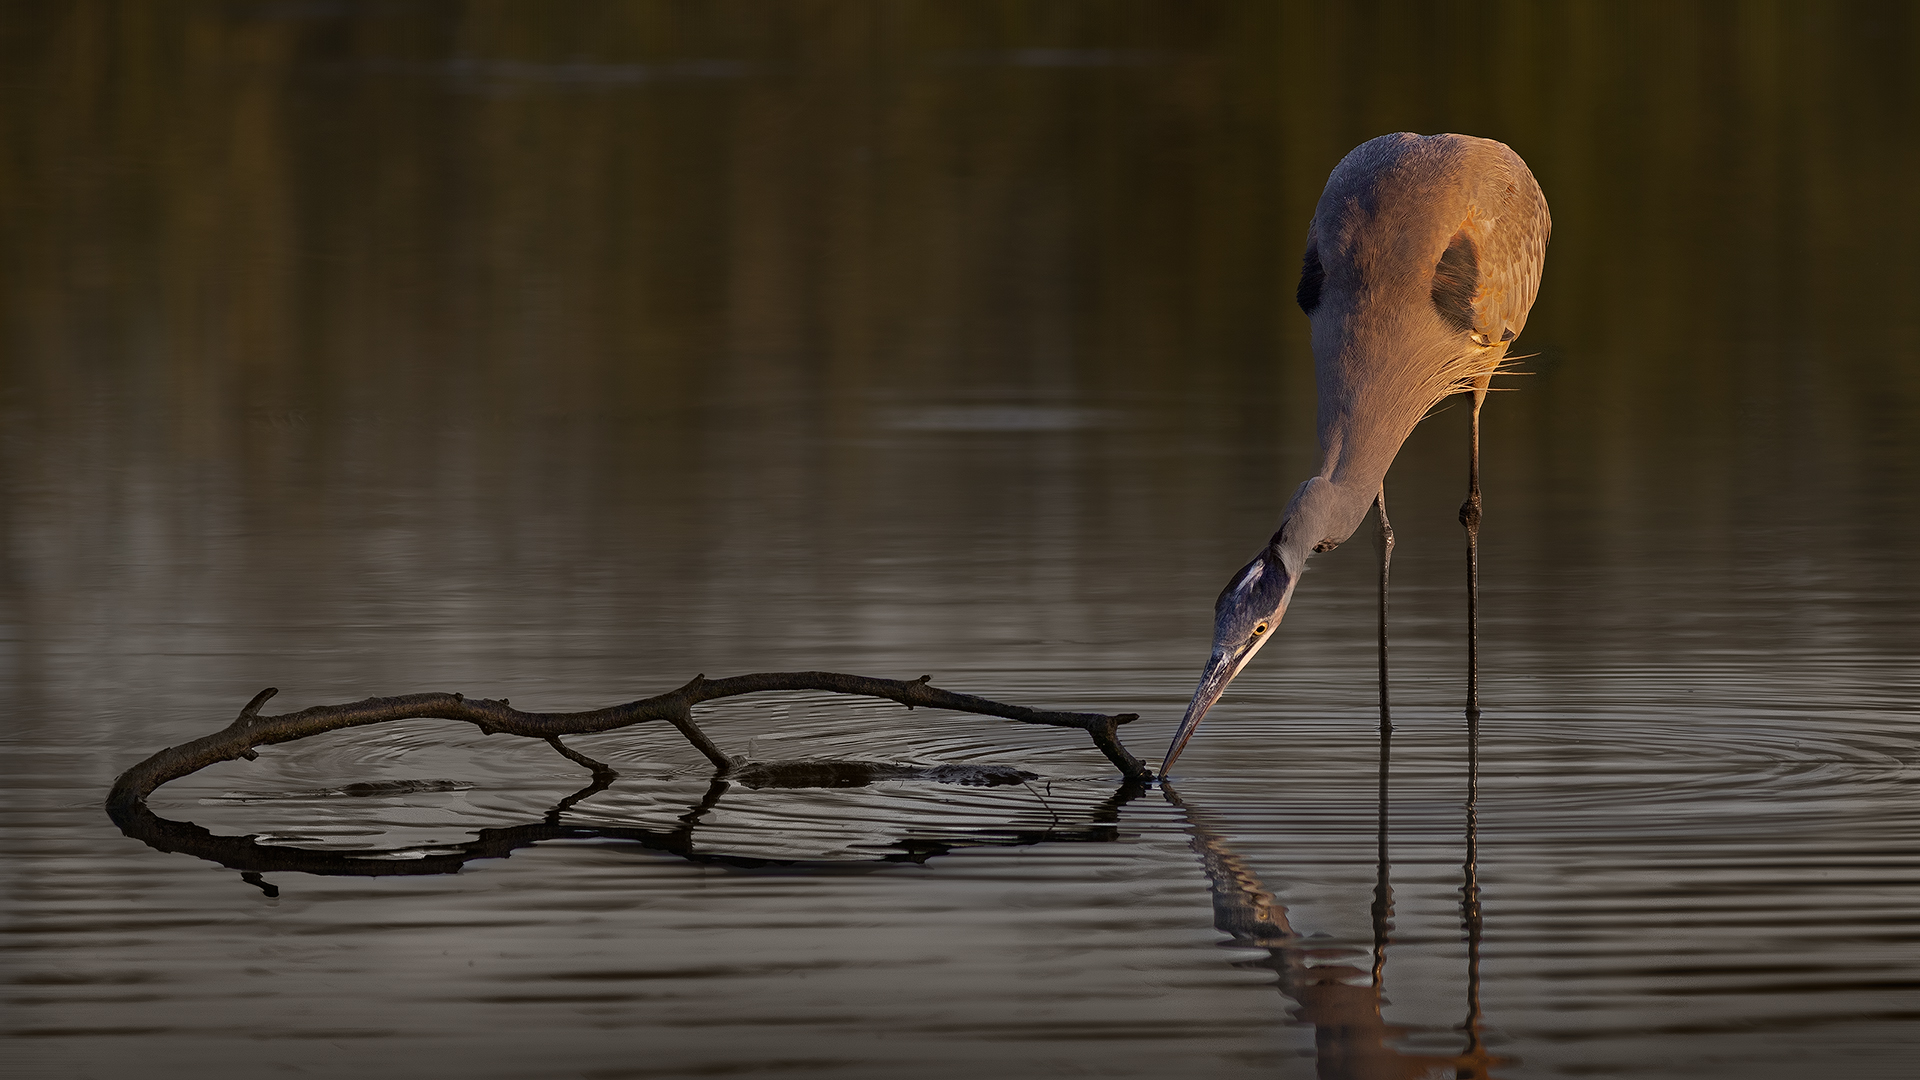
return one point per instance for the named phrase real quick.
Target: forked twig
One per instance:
(250, 729)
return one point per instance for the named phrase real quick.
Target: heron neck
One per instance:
(1322, 514)
(1361, 431)
(1370, 401)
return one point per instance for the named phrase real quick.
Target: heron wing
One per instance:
(1510, 227)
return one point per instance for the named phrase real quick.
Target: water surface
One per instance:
(562, 354)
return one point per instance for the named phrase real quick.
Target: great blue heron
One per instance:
(1422, 260)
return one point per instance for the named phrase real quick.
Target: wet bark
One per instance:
(250, 729)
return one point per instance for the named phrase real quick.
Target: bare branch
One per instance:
(600, 769)
(250, 729)
(684, 723)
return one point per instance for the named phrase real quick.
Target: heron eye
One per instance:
(1260, 629)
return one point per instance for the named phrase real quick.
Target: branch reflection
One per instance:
(253, 858)
(1343, 1001)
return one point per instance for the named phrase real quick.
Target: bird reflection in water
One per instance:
(1352, 1038)
(1344, 1004)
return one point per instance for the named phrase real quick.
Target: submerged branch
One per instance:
(250, 729)
(601, 770)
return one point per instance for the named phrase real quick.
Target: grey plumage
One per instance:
(1422, 261)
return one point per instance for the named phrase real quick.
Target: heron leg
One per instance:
(1470, 517)
(1383, 543)
(1383, 888)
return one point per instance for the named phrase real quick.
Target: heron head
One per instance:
(1320, 516)
(1245, 616)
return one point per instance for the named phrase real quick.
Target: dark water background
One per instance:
(561, 352)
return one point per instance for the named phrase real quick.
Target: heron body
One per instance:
(1422, 261)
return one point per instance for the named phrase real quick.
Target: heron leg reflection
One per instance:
(1470, 917)
(1383, 884)
(1470, 517)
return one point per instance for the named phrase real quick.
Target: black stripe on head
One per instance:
(1456, 277)
(1311, 276)
(1253, 594)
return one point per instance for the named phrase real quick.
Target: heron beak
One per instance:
(1234, 642)
(1213, 682)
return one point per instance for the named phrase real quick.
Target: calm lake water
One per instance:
(562, 352)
